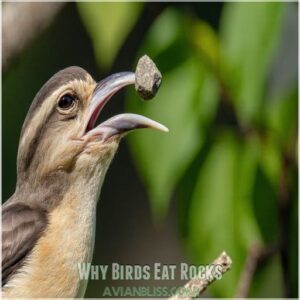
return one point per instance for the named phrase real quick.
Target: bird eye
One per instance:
(66, 102)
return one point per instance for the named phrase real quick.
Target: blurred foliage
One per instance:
(108, 24)
(186, 103)
(249, 34)
(230, 199)
(222, 160)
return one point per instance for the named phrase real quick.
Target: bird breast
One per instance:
(52, 268)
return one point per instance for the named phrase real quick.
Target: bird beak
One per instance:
(118, 124)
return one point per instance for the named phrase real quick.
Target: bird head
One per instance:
(60, 136)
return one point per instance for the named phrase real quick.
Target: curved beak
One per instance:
(118, 124)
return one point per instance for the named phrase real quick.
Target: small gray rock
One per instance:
(147, 78)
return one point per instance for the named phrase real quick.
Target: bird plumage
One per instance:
(22, 226)
(48, 224)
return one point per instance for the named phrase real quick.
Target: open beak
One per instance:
(118, 124)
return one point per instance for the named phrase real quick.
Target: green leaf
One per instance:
(108, 24)
(281, 126)
(162, 158)
(158, 40)
(186, 104)
(271, 160)
(282, 116)
(168, 47)
(221, 216)
(250, 33)
(206, 43)
(266, 206)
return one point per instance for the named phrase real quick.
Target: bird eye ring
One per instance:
(66, 102)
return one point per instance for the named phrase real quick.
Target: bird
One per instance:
(48, 224)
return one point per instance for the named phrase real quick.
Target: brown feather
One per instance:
(21, 228)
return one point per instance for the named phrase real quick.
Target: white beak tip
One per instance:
(165, 129)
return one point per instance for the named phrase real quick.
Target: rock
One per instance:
(147, 78)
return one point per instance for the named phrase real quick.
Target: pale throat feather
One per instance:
(67, 241)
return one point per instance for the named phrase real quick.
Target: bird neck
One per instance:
(49, 191)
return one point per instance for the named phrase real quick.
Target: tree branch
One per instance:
(197, 286)
(285, 208)
(257, 255)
